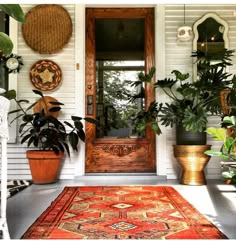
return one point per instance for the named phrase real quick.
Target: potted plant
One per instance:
(52, 138)
(190, 103)
(188, 109)
(227, 150)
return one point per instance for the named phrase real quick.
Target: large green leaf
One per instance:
(180, 76)
(6, 44)
(14, 10)
(213, 152)
(218, 134)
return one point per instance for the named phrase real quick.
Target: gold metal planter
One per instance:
(193, 161)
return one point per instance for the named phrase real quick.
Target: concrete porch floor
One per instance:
(216, 201)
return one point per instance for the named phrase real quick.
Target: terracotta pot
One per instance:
(192, 160)
(44, 166)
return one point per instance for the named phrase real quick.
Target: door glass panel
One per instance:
(119, 60)
(118, 100)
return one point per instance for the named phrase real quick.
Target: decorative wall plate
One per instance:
(48, 28)
(45, 75)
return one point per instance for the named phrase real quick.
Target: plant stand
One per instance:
(192, 160)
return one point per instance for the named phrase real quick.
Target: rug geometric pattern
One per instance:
(122, 212)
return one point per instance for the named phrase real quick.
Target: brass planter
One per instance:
(192, 160)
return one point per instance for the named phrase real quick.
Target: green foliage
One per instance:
(227, 150)
(15, 11)
(6, 44)
(11, 94)
(188, 105)
(218, 134)
(228, 139)
(230, 176)
(148, 118)
(46, 132)
(190, 102)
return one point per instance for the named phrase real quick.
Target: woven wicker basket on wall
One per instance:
(48, 28)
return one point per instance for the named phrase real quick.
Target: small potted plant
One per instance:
(227, 150)
(52, 138)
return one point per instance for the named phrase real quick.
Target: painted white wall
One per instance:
(169, 55)
(69, 92)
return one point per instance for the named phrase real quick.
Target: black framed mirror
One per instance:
(210, 36)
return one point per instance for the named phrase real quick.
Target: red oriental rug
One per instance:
(122, 212)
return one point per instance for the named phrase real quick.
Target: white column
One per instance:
(80, 79)
(160, 74)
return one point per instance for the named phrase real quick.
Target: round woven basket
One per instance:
(48, 28)
(45, 75)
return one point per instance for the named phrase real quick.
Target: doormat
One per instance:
(15, 186)
(122, 212)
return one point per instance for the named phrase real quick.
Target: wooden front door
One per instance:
(106, 152)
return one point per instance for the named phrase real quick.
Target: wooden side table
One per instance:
(192, 160)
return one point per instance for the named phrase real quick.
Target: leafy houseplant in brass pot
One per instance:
(43, 130)
(188, 109)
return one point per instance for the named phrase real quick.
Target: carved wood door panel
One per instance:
(104, 151)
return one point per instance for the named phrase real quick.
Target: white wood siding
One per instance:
(18, 167)
(169, 55)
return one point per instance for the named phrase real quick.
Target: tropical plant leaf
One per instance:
(218, 134)
(81, 135)
(38, 93)
(11, 94)
(213, 152)
(69, 124)
(76, 118)
(180, 76)
(14, 10)
(73, 138)
(91, 120)
(6, 45)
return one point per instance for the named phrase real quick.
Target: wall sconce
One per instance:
(185, 32)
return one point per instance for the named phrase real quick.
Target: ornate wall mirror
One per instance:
(210, 36)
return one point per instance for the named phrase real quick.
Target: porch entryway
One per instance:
(119, 45)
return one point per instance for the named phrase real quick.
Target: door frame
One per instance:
(90, 78)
